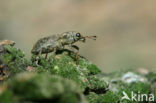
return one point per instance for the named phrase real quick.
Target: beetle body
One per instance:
(57, 42)
(46, 44)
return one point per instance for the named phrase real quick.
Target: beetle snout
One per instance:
(83, 39)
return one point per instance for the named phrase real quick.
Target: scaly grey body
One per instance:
(57, 42)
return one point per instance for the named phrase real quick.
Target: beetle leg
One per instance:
(76, 53)
(40, 53)
(75, 47)
(72, 47)
(77, 57)
(54, 54)
(46, 55)
(38, 58)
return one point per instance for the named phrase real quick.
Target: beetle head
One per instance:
(73, 36)
(78, 37)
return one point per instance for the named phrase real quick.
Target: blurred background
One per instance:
(126, 29)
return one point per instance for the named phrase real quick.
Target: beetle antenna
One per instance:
(91, 37)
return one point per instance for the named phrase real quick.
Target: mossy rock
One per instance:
(109, 97)
(41, 88)
(62, 79)
(6, 96)
(12, 61)
(97, 85)
(115, 94)
(64, 65)
(136, 88)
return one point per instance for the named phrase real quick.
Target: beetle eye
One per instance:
(78, 34)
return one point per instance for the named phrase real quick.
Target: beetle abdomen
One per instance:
(42, 50)
(45, 45)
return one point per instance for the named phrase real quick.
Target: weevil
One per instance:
(58, 42)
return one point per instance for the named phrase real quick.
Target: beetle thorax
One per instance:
(69, 39)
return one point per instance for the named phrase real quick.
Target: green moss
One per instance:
(62, 79)
(151, 77)
(93, 69)
(64, 65)
(116, 88)
(69, 98)
(43, 87)
(14, 59)
(109, 97)
(84, 73)
(6, 97)
(136, 88)
(97, 85)
(115, 96)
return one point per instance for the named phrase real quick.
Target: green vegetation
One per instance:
(62, 80)
(33, 87)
